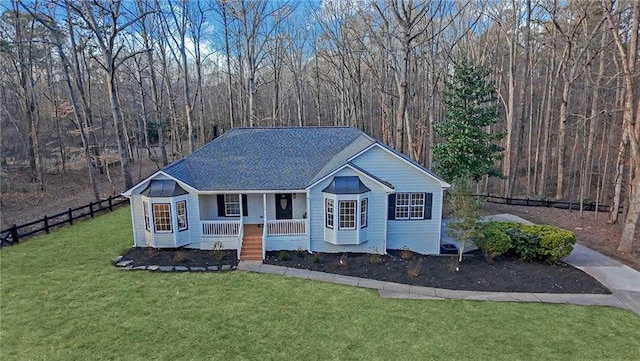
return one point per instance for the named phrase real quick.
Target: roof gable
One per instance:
(402, 157)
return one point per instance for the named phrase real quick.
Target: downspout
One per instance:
(264, 225)
(241, 226)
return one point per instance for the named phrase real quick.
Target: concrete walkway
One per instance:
(622, 280)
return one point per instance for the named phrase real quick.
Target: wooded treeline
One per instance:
(99, 82)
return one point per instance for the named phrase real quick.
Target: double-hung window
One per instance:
(162, 217)
(181, 214)
(232, 205)
(347, 214)
(402, 205)
(410, 206)
(328, 207)
(363, 212)
(417, 206)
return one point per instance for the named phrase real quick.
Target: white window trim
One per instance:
(414, 196)
(364, 209)
(329, 216)
(178, 215)
(410, 206)
(403, 206)
(155, 224)
(355, 212)
(228, 201)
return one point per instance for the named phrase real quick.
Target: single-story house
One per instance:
(318, 189)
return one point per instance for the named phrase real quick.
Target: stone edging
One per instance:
(125, 264)
(398, 290)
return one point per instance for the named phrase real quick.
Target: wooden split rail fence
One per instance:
(14, 234)
(586, 206)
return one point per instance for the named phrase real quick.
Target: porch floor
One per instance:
(253, 230)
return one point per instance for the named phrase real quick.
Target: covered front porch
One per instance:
(228, 220)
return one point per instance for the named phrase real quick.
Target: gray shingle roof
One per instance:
(268, 158)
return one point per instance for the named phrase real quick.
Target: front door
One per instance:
(283, 206)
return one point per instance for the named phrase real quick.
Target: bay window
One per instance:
(347, 206)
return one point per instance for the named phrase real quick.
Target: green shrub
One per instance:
(300, 252)
(529, 242)
(492, 240)
(315, 258)
(525, 243)
(283, 256)
(556, 243)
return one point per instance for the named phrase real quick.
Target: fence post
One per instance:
(70, 214)
(91, 209)
(14, 234)
(46, 224)
(110, 204)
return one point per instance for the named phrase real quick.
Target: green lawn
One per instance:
(62, 299)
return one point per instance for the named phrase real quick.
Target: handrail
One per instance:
(264, 239)
(220, 228)
(285, 227)
(240, 237)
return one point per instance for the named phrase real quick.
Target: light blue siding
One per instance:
(377, 217)
(422, 236)
(290, 243)
(137, 216)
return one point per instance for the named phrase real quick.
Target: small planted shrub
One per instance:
(343, 262)
(283, 256)
(300, 252)
(405, 253)
(217, 251)
(315, 258)
(180, 256)
(491, 239)
(152, 253)
(414, 268)
(374, 256)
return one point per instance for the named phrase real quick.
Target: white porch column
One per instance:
(264, 225)
(264, 209)
(241, 210)
(307, 225)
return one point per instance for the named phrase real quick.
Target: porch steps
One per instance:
(251, 248)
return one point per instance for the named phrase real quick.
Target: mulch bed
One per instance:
(505, 274)
(143, 256)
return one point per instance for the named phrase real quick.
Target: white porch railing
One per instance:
(286, 227)
(220, 228)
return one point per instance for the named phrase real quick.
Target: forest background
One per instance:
(88, 83)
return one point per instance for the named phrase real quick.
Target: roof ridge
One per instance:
(201, 149)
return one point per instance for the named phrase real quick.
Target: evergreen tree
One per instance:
(468, 150)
